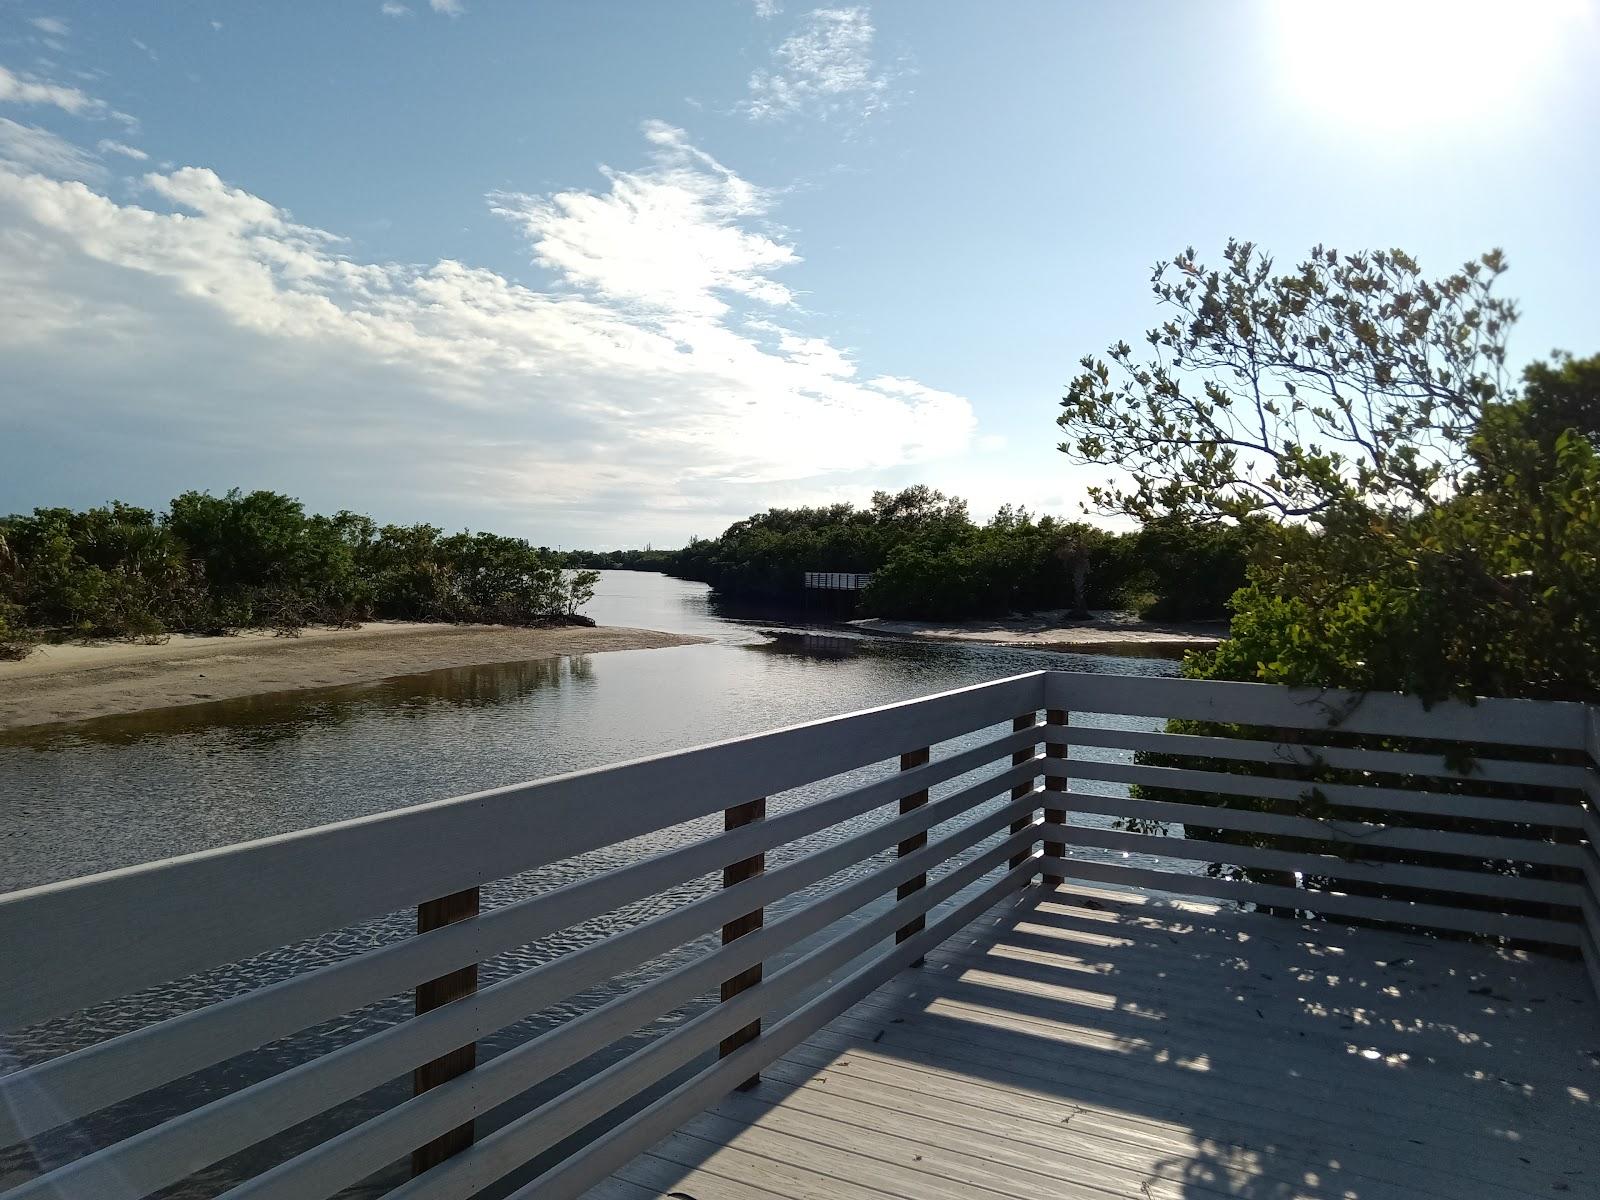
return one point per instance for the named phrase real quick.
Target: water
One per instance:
(123, 790)
(118, 791)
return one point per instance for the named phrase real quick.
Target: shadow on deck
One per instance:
(1081, 1042)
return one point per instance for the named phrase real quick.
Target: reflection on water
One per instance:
(816, 647)
(282, 716)
(124, 790)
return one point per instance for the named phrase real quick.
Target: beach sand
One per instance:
(75, 682)
(1103, 633)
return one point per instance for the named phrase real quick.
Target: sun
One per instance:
(1419, 64)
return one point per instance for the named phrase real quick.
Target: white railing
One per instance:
(1371, 807)
(922, 814)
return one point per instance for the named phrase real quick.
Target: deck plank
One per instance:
(1084, 1042)
(966, 1014)
(1235, 1127)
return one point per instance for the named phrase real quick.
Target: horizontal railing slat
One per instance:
(1347, 833)
(505, 1149)
(1300, 754)
(102, 1074)
(355, 1153)
(1539, 724)
(73, 944)
(1435, 804)
(170, 1151)
(1435, 916)
(1499, 887)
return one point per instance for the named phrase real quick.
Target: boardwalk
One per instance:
(1069, 1042)
(1092, 1043)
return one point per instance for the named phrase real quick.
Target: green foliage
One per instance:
(1188, 570)
(486, 577)
(648, 559)
(930, 561)
(1492, 591)
(113, 571)
(765, 557)
(1557, 396)
(16, 641)
(214, 564)
(1352, 381)
(579, 589)
(1014, 563)
(1439, 534)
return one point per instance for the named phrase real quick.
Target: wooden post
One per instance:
(1055, 816)
(1026, 721)
(734, 873)
(914, 758)
(432, 914)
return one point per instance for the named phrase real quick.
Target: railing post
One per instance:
(735, 873)
(432, 914)
(1018, 724)
(1055, 816)
(908, 761)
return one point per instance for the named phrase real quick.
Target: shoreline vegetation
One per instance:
(76, 682)
(215, 565)
(118, 609)
(931, 562)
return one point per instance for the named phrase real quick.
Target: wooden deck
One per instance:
(1090, 1043)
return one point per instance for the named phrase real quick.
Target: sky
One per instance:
(610, 274)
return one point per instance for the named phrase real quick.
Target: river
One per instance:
(117, 791)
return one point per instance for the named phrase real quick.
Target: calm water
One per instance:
(108, 793)
(124, 790)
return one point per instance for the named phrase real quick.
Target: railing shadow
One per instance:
(1162, 1051)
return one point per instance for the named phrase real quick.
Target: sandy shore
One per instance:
(1106, 633)
(71, 682)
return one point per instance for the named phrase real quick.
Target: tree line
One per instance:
(217, 564)
(930, 560)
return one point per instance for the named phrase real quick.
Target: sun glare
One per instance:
(1419, 64)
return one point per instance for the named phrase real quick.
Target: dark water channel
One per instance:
(113, 792)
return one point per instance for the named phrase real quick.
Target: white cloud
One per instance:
(669, 238)
(207, 334)
(21, 89)
(767, 9)
(107, 146)
(393, 8)
(450, 8)
(824, 69)
(54, 26)
(31, 148)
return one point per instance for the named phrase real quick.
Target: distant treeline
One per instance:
(621, 560)
(930, 560)
(216, 564)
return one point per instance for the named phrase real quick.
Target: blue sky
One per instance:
(605, 274)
